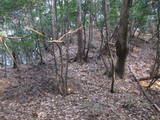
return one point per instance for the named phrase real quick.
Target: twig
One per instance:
(143, 91)
(11, 37)
(31, 29)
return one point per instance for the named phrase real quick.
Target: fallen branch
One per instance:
(11, 37)
(143, 91)
(149, 78)
(14, 37)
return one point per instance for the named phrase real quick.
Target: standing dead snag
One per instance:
(121, 44)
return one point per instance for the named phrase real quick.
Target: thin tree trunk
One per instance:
(54, 31)
(14, 59)
(121, 44)
(80, 53)
(106, 19)
(90, 32)
(53, 12)
(107, 47)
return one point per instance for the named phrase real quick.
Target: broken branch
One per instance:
(60, 40)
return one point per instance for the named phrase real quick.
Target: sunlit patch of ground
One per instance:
(2, 89)
(155, 86)
(3, 84)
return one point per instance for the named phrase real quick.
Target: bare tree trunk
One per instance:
(107, 47)
(80, 53)
(54, 35)
(106, 8)
(121, 44)
(90, 32)
(106, 22)
(14, 59)
(156, 67)
(53, 13)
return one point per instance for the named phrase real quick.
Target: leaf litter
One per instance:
(30, 93)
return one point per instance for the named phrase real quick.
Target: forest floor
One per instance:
(28, 94)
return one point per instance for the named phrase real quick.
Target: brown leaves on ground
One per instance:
(30, 93)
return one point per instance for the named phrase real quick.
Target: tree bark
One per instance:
(14, 59)
(121, 44)
(80, 53)
(53, 13)
(90, 32)
(106, 6)
(106, 13)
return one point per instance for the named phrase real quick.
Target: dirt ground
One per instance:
(29, 94)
